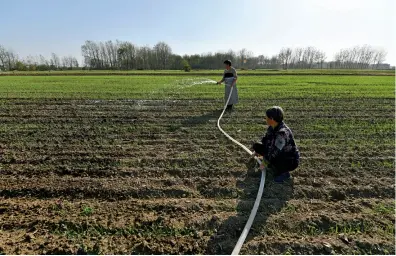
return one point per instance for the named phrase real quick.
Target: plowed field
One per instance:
(121, 165)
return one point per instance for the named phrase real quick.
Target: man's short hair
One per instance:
(275, 113)
(227, 62)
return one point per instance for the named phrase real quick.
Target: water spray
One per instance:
(188, 82)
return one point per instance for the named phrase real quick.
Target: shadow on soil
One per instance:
(195, 120)
(274, 199)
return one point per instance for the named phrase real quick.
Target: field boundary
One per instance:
(199, 73)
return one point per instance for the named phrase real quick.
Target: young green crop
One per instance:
(165, 87)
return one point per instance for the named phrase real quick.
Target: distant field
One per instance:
(162, 87)
(135, 164)
(203, 72)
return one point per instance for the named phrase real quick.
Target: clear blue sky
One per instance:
(33, 27)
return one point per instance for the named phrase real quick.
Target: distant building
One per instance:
(323, 65)
(336, 65)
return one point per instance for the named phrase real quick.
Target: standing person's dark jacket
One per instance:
(279, 149)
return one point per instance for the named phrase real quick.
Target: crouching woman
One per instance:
(278, 147)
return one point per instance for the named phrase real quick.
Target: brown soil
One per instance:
(135, 177)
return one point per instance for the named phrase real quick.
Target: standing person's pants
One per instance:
(227, 90)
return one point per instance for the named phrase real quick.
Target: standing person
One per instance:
(230, 77)
(278, 148)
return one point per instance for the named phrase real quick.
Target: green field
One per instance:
(152, 87)
(135, 164)
(258, 72)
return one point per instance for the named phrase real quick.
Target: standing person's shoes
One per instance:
(229, 107)
(282, 177)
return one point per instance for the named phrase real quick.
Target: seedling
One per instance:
(87, 211)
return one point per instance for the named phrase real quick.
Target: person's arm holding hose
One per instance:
(260, 149)
(222, 80)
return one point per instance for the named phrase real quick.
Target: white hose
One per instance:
(261, 188)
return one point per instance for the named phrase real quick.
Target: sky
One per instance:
(33, 27)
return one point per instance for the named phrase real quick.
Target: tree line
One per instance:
(9, 60)
(123, 55)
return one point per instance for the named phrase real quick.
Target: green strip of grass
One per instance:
(168, 87)
(257, 72)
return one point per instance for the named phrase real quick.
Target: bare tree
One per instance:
(103, 57)
(111, 53)
(285, 56)
(250, 60)
(43, 61)
(261, 60)
(127, 55)
(379, 57)
(321, 57)
(275, 62)
(69, 62)
(243, 57)
(11, 59)
(162, 52)
(91, 53)
(359, 57)
(2, 57)
(74, 62)
(65, 62)
(145, 54)
(308, 57)
(8, 58)
(298, 52)
(55, 61)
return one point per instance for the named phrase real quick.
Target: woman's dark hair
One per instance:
(275, 113)
(227, 62)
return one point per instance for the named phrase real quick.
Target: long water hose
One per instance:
(246, 229)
